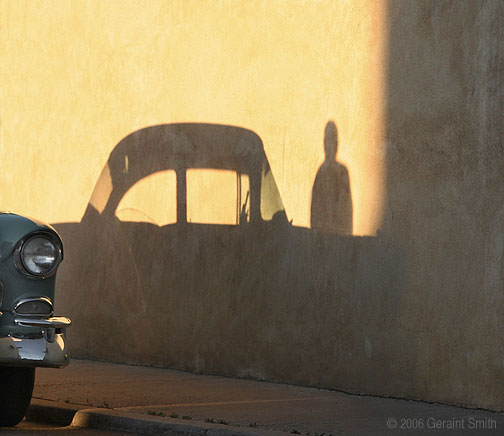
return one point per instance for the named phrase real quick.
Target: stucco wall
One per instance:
(445, 138)
(409, 304)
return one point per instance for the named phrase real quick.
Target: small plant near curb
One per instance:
(253, 424)
(174, 415)
(218, 421)
(294, 431)
(154, 413)
(186, 417)
(106, 405)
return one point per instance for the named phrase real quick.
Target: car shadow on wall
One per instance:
(231, 287)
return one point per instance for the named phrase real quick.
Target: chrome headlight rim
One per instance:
(18, 254)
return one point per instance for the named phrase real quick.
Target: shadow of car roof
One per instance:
(187, 145)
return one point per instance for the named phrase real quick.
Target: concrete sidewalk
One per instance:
(157, 401)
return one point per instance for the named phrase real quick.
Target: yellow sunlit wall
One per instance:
(78, 76)
(212, 197)
(152, 200)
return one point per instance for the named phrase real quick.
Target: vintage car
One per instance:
(30, 336)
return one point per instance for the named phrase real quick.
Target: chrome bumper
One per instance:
(46, 348)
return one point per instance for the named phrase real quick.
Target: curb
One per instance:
(52, 412)
(150, 425)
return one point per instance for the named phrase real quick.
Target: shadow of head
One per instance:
(330, 140)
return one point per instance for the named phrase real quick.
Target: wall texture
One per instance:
(445, 139)
(201, 246)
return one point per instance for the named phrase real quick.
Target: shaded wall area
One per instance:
(445, 190)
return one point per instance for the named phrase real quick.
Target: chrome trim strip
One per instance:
(55, 322)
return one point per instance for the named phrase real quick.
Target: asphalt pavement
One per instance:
(156, 401)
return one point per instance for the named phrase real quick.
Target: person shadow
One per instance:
(331, 205)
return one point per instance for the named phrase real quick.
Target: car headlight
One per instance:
(40, 255)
